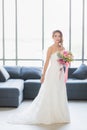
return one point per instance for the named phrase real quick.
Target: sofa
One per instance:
(77, 85)
(24, 84)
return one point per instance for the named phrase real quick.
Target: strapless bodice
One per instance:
(54, 58)
(54, 61)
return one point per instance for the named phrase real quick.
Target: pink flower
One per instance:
(65, 53)
(61, 61)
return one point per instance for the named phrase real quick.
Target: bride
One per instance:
(50, 105)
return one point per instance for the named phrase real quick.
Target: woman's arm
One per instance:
(46, 64)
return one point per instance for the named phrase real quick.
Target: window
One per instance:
(76, 29)
(9, 29)
(26, 28)
(85, 31)
(29, 19)
(56, 16)
(1, 31)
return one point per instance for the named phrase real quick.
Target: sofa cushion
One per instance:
(81, 72)
(4, 75)
(11, 88)
(30, 73)
(31, 88)
(76, 89)
(14, 71)
(76, 81)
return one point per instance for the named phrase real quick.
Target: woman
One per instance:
(50, 105)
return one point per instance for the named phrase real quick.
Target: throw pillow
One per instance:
(4, 75)
(80, 72)
(30, 73)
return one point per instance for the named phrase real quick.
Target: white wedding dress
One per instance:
(50, 105)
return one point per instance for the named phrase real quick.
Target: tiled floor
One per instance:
(78, 114)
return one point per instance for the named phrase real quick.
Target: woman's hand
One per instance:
(67, 64)
(42, 79)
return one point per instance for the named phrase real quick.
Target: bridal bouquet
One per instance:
(65, 58)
